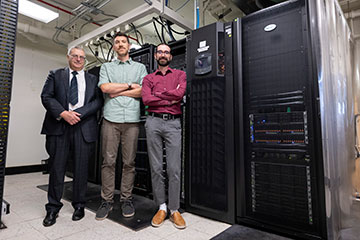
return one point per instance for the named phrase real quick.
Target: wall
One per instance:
(32, 64)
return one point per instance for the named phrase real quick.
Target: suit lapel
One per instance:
(65, 76)
(87, 87)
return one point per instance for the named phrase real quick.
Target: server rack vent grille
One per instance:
(208, 143)
(142, 183)
(280, 191)
(8, 22)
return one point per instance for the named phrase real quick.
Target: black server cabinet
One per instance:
(210, 160)
(178, 52)
(282, 157)
(8, 23)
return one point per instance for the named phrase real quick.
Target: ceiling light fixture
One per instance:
(36, 11)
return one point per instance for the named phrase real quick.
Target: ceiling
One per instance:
(67, 28)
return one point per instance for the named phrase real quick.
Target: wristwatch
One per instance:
(129, 84)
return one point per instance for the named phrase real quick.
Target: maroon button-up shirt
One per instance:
(158, 91)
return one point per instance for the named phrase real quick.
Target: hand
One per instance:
(71, 117)
(135, 85)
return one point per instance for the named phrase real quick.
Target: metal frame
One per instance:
(8, 23)
(157, 7)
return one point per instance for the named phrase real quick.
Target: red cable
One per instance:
(64, 10)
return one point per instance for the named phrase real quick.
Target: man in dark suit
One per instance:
(71, 99)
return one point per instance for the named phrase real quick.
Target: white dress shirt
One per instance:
(81, 89)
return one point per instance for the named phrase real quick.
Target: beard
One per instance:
(164, 63)
(123, 53)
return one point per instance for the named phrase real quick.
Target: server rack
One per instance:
(178, 51)
(210, 137)
(281, 164)
(94, 168)
(8, 23)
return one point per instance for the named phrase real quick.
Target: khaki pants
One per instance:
(111, 135)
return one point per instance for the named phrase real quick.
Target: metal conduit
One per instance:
(81, 11)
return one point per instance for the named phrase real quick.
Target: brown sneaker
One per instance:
(178, 220)
(158, 219)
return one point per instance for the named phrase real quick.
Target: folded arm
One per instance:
(177, 93)
(148, 98)
(134, 91)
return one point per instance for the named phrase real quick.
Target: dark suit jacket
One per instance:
(55, 96)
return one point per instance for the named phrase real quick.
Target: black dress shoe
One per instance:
(50, 219)
(79, 213)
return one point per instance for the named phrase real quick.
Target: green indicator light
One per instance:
(288, 109)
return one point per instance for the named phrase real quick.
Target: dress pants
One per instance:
(60, 148)
(111, 135)
(158, 130)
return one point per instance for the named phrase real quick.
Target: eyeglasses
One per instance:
(162, 52)
(82, 58)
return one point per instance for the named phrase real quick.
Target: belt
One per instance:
(164, 116)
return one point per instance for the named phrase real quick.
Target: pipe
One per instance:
(196, 14)
(63, 10)
(78, 15)
(148, 2)
(353, 14)
(61, 4)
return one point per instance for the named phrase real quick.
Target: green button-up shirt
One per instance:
(122, 109)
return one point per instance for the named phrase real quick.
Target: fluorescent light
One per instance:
(36, 11)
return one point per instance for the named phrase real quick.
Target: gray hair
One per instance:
(75, 47)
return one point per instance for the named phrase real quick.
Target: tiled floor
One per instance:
(27, 212)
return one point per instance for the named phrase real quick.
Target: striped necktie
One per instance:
(73, 97)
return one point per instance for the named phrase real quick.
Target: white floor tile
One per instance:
(11, 218)
(209, 227)
(27, 207)
(20, 231)
(140, 235)
(63, 227)
(164, 230)
(188, 234)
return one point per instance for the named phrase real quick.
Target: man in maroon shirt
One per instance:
(162, 92)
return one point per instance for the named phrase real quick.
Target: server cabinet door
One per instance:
(282, 154)
(210, 150)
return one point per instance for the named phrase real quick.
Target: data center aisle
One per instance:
(27, 212)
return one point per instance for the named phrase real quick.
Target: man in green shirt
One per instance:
(120, 81)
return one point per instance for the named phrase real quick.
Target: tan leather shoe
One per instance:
(178, 220)
(158, 219)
